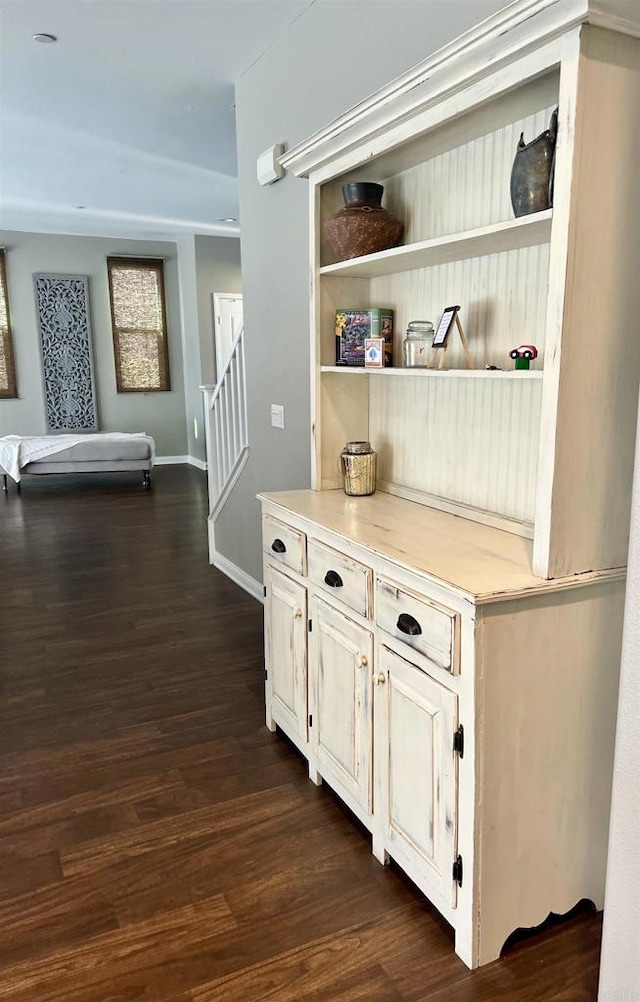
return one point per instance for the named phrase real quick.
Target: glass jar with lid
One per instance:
(416, 347)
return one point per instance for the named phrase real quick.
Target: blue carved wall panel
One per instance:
(62, 309)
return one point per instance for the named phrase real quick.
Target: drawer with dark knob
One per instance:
(420, 623)
(339, 575)
(285, 544)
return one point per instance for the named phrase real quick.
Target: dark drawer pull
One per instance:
(407, 624)
(278, 546)
(333, 579)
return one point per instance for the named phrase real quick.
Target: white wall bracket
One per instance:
(268, 167)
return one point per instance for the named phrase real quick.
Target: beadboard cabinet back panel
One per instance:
(455, 177)
(465, 186)
(469, 440)
(503, 305)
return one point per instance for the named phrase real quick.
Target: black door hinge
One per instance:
(310, 625)
(457, 870)
(311, 720)
(458, 741)
(264, 590)
(266, 673)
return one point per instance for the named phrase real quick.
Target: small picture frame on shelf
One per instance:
(374, 353)
(444, 326)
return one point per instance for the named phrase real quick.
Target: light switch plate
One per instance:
(277, 416)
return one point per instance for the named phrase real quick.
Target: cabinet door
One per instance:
(286, 649)
(340, 659)
(419, 780)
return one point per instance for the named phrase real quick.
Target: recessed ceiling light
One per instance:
(44, 37)
(228, 219)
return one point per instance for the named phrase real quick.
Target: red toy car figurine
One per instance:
(523, 355)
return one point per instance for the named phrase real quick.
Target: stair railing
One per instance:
(226, 427)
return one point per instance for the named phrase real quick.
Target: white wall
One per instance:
(333, 56)
(205, 265)
(161, 415)
(190, 345)
(217, 270)
(620, 963)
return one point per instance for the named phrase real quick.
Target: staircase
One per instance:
(227, 440)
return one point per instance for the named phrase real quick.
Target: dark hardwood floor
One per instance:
(157, 843)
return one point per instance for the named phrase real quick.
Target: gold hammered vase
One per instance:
(358, 461)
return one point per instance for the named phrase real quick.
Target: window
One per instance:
(138, 320)
(8, 387)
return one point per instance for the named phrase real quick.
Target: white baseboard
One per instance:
(250, 585)
(180, 460)
(171, 460)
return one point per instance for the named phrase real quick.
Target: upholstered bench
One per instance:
(88, 454)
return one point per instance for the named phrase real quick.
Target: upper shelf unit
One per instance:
(526, 231)
(555, 450)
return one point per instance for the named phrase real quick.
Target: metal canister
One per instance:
(358, 461)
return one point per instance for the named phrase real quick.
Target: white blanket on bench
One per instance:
(17, 451)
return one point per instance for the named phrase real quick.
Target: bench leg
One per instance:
(5, 484)
(19, 485)
(146, 478)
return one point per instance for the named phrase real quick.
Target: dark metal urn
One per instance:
(532, 171)
(362, 226)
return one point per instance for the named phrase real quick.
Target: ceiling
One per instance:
(129, 114)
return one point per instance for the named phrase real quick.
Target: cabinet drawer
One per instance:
(285, 544)
(421, 624)
(340, 576)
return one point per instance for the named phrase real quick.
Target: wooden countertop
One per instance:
(485, 563)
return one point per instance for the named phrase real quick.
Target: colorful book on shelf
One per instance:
(354, 326)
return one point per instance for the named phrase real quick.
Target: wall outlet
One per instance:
(277, 416)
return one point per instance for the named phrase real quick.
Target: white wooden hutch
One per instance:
(477, 747)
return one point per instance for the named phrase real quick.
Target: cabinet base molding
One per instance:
(491, 949)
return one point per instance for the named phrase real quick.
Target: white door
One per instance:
(286, 652)
(227, 322)
(419, 773)
(341, 653)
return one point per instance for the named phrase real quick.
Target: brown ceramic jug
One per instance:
(362, 226)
